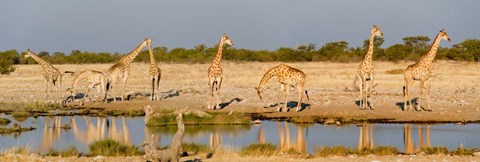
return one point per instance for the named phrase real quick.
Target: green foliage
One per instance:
(333, 151)
(7, 59)
(4, 121)
(258, 150)
(435, 150)
(110, 147)
(339, 51)
(196, 148)
(71, 151)
(191, 119)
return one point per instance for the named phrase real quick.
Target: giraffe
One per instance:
(366, 71)
(287, 76)
(215, 73)
(51, 74)
(155, 75)
(96, 79)
(121, 69)
(421, 71)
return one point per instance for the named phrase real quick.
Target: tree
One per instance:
(334, 51)
(418, 44)
(7, 60)
(468, 50)
(396, 52)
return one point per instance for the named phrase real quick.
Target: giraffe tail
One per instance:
(404, 93)
(108, 86)
(306, 94)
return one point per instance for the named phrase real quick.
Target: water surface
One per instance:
(303, 138)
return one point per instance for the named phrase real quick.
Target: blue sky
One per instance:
(120, 25)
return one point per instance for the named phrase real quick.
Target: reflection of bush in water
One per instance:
(4, 121)
(201, 129)
(191, 119)
(21, 116)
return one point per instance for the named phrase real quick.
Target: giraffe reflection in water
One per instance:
(94, 131)
(410, 146)
(365, 137)
(51, 132)
(299, 145)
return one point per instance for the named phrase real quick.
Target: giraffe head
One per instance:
(444, 35)
(28, 53)
(225, 39)
(148, 41)
(376, 31)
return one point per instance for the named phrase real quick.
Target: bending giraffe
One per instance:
(121, 69)
(95, 79)
(287, 76)
(421, 71)
(215, 74)
(366, 71)
(155, 75)
(51, 75)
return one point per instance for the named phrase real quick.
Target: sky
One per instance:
(120, 25)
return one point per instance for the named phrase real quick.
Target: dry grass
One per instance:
(395, 71)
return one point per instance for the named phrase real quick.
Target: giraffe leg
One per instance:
(85, 95)
(210, 94)
(59, 90)
(280, 94)
(158, 88)
(46, 90)
(360, 85)
(428, 96)
(364, 93)
(408, 83)
(370, 93)
(300, 96)
(420, 94)
(287, 91)
(152, 96)
(218, 101)
(123, 86)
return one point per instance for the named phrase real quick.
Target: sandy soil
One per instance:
(369, 158)
(455, 93)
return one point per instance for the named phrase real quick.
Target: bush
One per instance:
(110, 147)
(196, 148)
(7, 59)
(333, 151)
(435, 150)
(71, 151)
(258, 150)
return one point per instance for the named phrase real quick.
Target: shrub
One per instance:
(110, 147)
(71, 151)
(196, 148)
(435, 150)
(7, 59)
(258, 150)
(333, 151)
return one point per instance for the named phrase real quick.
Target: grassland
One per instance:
(454, 93)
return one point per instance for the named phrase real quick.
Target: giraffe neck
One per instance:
(430, 56)
(368, 56)
(127, 59)
(218, 57)
(41, 62)
(269, 74)
(153, 63)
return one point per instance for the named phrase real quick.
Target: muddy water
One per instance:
(303, 138)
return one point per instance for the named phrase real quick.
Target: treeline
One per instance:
(411, 49)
